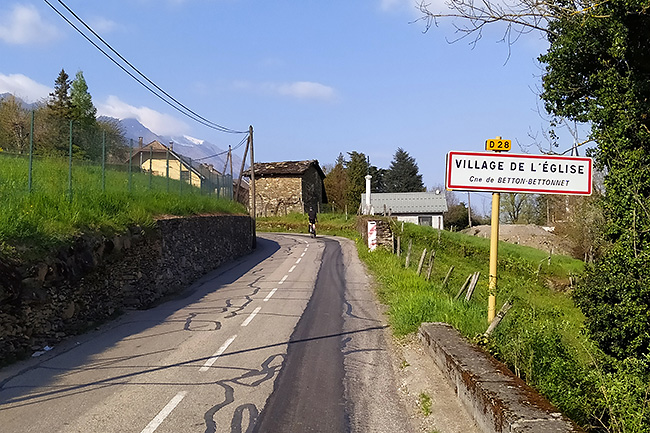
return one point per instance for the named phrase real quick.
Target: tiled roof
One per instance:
(284, 168)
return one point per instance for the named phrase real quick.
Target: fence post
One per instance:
(150, 165)
(130, 163)
(31, 153)
(408, 254)
(167, 170)
(424, 254)
(104, 161)
(70, 165)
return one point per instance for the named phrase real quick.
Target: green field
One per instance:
(52, 213)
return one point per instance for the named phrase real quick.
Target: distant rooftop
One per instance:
(284, 168)
(407, 202)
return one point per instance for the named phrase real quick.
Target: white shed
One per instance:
(423, 208)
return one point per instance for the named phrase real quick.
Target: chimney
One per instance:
(367, 206)
(140, 142)
(171, 145)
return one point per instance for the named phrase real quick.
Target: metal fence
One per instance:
(131, 169)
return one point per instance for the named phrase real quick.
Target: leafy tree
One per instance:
(403, 175)
(357, 169)
(597, 71)
(336, 183)
(14, 125)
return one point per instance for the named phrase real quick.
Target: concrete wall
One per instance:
(97, 277)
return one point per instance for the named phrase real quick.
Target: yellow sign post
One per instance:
(496, 145)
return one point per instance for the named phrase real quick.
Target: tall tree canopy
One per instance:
(82, 108)
(403, 174)
(357, 168)
(597, 70)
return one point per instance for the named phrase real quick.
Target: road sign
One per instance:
(498, 145)
(504, 172)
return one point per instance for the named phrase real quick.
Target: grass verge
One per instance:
(49, 216)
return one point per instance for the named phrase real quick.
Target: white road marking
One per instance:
(298, 261)
(217, 354)
(283, 279)
(270, 294)
(250, 318)
(164, 413)
(302, 255)
(292, 268)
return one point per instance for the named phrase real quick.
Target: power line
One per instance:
(181, 108)
(225, 151)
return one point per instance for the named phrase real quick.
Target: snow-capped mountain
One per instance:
(191, 147)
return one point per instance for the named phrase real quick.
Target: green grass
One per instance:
(31, 222)
(425, 403)
(541, 339)
(328, 224)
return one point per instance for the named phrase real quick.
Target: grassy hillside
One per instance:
(541, 339)
(48, 215)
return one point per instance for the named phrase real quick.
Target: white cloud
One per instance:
(24, 25)
(103, 25)
(23, 87)
(307, 90)
(297, 89)
(158, 123)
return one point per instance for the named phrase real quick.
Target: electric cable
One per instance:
(188, 113)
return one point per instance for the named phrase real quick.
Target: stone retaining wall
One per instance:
(98, 277)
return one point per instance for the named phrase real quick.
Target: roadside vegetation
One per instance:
(48, 216)
(542, 337)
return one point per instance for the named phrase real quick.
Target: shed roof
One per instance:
(407, 202)
(283, 168)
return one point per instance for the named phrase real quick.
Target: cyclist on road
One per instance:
(312, 220)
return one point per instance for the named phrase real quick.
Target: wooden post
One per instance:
(408, 254)
(399, 246)
(431, 259)
(446, 281)
(424, 254)
(253, 210)
(243, 162)
(472, 286)
(465, 284)
(499, 317)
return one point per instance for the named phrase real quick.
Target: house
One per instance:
(161, 160)
(288, 186)
(422, 208)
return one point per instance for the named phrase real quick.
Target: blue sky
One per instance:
(314, 78)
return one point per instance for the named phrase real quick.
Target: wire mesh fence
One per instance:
(94, 163)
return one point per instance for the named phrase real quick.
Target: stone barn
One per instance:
(288, 186)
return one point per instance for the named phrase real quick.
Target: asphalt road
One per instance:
(287, 339)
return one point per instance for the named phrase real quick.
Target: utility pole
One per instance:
(253, 214)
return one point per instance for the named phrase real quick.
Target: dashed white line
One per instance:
(302, 255)
(298, 261)
(250, 318)
(164, 413)
(270, 294)
(292, 268)
(283, 279)
(217, 354)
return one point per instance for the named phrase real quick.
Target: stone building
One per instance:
(288, 186)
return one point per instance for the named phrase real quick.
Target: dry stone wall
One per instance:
(97, 277)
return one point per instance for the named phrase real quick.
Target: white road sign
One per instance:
(505, 172)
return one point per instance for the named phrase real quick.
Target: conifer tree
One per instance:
(82, 108)
(60, 104)
(403, 174)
